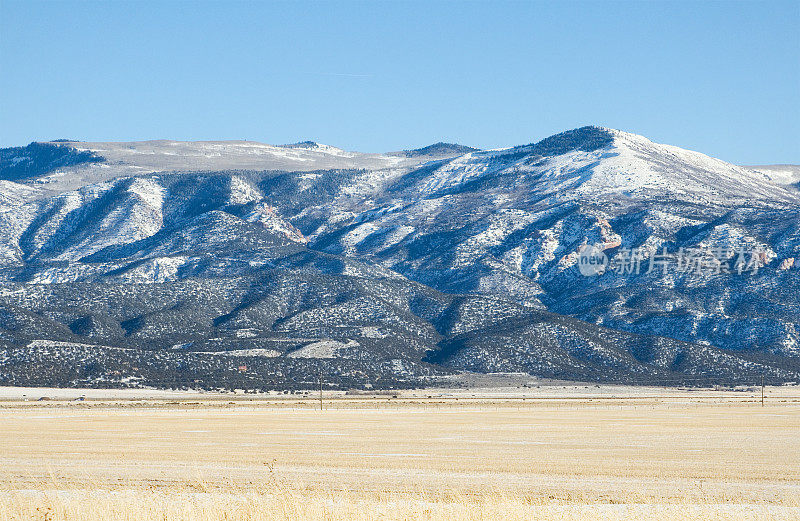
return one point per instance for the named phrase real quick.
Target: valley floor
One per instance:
(552, 452)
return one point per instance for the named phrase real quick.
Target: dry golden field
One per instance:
(549, 453)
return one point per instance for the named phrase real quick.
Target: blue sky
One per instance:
(719, 77)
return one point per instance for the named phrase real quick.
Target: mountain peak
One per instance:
(440, 149)
(597, 163)
(586, 139)
(302, 144)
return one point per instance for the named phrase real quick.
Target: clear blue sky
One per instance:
(719, 77)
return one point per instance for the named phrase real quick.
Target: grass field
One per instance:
(556, 454)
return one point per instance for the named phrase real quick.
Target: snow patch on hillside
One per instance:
(266, 215)
(322, 349)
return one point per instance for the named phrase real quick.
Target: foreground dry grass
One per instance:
(283, 503)
(593, 458)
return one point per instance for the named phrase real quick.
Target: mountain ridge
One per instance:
(396, 269)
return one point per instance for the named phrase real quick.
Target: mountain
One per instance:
(59, 166)
(781, 174)
(38, 159)
(240, 264)
(439, 149)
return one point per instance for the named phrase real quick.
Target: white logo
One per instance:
(592, 261)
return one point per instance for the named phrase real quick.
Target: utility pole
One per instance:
(762, 390)
(320, 388)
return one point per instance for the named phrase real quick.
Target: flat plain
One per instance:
(553, 452)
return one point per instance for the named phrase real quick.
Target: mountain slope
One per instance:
(780, 174)
(511, 222)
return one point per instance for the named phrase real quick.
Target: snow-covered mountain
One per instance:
(68, 165)
(175, 263)
(781, 174)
